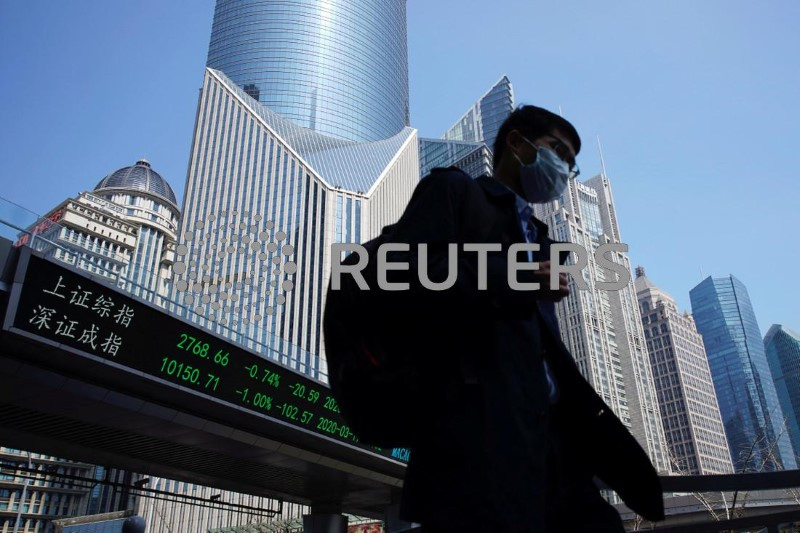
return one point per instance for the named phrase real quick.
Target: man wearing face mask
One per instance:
(514, 436)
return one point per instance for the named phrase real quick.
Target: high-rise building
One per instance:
(469, 143)
(474, 158)
(265, 200)
(337, 67)
(322, 157)
(689, 410)
(783, 354)
(603, 329)
(483, 120)
(746, 393)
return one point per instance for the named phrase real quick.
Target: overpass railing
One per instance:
(761, 502)
(26, 228)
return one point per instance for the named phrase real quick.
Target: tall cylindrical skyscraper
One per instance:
(300, 142)
(339, 67)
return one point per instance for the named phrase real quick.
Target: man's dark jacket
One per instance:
(485, 438)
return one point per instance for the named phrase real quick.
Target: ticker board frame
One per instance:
(174, 395)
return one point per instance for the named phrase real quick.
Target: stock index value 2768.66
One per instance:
(60, 305)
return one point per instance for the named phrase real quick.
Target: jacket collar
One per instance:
(495, 188)
(498, 190)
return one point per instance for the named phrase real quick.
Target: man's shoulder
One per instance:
(453, 179)
(453, 176)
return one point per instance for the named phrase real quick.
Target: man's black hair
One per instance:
(533, 122)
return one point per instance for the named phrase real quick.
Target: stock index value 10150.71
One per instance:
(61, 305)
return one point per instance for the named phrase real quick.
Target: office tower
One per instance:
(745, 391)
(272, 184)
(474, 158)
(689, 410)
(337, 67)
(783, 354)
(469, 143)
(482, 121)
(603, 329)
(124, 230)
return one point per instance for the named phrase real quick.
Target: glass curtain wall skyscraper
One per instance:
(469, 143)
(783, 354)
(474, 158)
(337, 67)
(300, 142)
(746, 393)
(483, 120)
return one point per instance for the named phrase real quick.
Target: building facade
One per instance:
(337, 67)
(124, 230)
(474, 158)
(209, 508)
(603, 329)
(265, 200)
(746, 392)
(469, 143)
(147, 201)
(686, 397)
(483, 120)
(30, 501)
(783, 354)
(300, 142)
(38, 492)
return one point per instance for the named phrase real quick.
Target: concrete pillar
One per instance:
(325, 518)
(324, 523)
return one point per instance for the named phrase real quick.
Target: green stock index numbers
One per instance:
(58, 304)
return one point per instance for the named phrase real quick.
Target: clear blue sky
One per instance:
(697, 105)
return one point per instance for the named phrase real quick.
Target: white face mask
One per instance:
(545, 178)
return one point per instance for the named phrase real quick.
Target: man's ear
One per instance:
(514, 140)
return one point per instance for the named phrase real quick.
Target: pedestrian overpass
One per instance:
(93, 373)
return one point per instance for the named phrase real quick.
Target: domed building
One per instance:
(124, 230)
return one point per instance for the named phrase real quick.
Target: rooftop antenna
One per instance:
(702, 274)
(602, 159)
(561, 113)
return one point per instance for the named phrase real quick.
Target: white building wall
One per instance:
(242, 173)
(603, 328)
(693, 428)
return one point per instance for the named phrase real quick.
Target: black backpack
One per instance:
(375, 348)
(391, 358)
